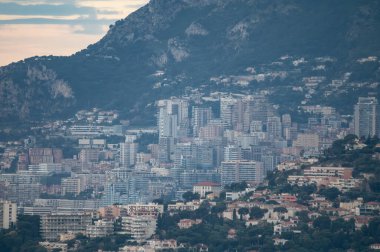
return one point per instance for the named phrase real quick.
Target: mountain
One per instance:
(168, 47)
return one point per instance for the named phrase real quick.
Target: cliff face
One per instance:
(173, 44)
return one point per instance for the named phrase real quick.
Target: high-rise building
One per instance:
(366, 117)
(71, 186)
(128, 153)
(167, 124)
(173, 115)
(185, 155)
(274, 127)
(165, 147)
(89, 155)
(241, 170)
(200, 118)
(226, 111)
(8, 214)
(232, 153)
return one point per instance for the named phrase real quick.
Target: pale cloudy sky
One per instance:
(56, 27)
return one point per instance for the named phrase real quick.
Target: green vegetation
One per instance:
(334, 236)
(236, 187)
(213, 231)
(364, 159)
(109, 243)
(24, 237)
(190, 196)
(324, 234)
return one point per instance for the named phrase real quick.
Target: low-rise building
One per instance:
(375, 246)
(52, 225)
(150, 209)
(100, 228)
(139, 227)
(184, 206)
(188, 223)
(203, 188)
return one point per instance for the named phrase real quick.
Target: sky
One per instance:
(56, 27)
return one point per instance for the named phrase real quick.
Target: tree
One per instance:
(330, 193)
(222, 195)
(220, 207)
(256, 213)
(190, 196)
(303, 216)
(281, 209)
(272, 202)
(243, 211)
(237, 187)
(322, 222)
(234, 215)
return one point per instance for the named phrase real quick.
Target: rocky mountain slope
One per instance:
(168, 45)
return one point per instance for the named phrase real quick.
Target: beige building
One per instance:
(203, 188)
(8, 214)
(71, 185)
(307, 141)
(317, 171)
(137, 209)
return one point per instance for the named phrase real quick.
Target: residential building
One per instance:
(150, 209)
(128, 152)
(71, 186)
(139, 227)
(366, 117)
(52, 225)
(203, 188)
(100, 228)
(241, 170)
(8, 214)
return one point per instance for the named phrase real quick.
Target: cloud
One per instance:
(92, 15)
(58, 13)
(44, 9)
(56, 27)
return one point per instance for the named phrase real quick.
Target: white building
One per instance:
(100, 228)
(242, 170)
(366, 117)
(203, 188)
(128, 152)
(139, 227)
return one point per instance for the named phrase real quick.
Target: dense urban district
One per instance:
(223, 172)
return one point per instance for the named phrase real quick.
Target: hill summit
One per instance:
(168, 46)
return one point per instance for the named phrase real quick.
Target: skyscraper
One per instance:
(128, 153)
(200, 118)
(366, 117)
(226, 111)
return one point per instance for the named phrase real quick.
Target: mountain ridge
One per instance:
(192, 41)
